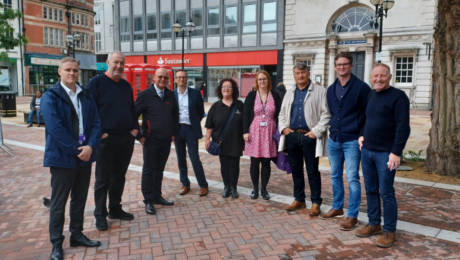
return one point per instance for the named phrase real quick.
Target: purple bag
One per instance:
(282, 160)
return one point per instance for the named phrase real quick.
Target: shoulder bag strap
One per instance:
(221, 139)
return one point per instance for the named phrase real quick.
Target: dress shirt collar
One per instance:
(185, 93)
(69, 91)
(159, 90)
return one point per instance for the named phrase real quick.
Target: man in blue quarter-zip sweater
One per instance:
(72, 136)
(347, 100)
(382, 142)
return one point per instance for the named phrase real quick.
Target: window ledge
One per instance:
(404, 51)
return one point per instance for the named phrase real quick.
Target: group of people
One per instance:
(100, 124)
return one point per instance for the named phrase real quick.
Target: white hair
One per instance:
(113, 52)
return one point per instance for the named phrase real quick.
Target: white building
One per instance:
(12, 76)
(309, 37)
(103, 30)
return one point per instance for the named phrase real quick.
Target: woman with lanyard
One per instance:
(261, 110)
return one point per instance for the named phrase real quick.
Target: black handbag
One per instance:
(214, 147)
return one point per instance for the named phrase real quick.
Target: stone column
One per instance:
(332, 52)
(370, 37)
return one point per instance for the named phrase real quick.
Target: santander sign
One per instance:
(172, 61)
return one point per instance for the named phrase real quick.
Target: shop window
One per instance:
(197, 18)
(151, 27)
(7, 4)
(60, 16)
(404, 70)
(231, 20)
(138, 31)
(97, 17)
(269, 16)
(355, 19)
(45, 12)
(166, 25)
(250, 18)
(125, 30)
(97, 40)
(245, 77)
(213, 21)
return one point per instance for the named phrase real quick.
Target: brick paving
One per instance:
(210, 227)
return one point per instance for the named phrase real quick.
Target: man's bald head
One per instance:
(161, 78)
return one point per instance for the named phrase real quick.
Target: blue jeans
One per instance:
(378, 181)
(31, 116)
(186, 137)
(349, 153)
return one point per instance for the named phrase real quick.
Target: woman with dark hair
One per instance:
(35, 108)
(261, 109)
(233, 144)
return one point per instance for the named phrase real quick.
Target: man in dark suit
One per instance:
(160, 124)
(191, 112)
(72, 134)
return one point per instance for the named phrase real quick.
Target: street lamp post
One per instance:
(177, 27)
(380, 7)
(71, 40)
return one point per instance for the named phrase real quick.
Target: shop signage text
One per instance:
(351, 42)
(172, 61)
(42, 61)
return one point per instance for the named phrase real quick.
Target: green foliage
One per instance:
(8, 38)
(414, 157)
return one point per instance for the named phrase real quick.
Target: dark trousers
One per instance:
(113, 158)
(300, 147)
(64, 182)
(156, 153)
(183, 139)
(230, 169)
(255, 172)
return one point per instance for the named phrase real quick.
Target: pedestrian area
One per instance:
(212, 227)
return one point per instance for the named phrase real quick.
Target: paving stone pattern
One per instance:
(209, 227)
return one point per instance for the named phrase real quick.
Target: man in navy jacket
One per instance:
(347, 100)
(72, 132)
(191, 112)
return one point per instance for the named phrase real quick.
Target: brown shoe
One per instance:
(315, 210)
(368, 231)
(332, 213)
(296, 205)
(204, 192)
(184, 190)
(39, 125)
(29, 126)
(387, 239)
(349, 224)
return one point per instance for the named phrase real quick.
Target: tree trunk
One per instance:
(443, 154)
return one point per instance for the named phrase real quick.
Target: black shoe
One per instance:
(226, 192)
(163, 202)
(84, 241)
(46, 202)
(122, 215)
(57, 253)
(255, 194)
(234, 192)
(101, 224)
(265, 194)
(150, 209)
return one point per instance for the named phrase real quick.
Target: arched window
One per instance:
(353, 20)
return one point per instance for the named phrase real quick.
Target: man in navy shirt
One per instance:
(382, 142)
(303, 122)
(347, 100)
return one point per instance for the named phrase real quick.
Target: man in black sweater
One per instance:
(160, 126)
(115, 104)
(382, 142)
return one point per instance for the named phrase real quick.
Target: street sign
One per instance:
(378, 56)
(351, 42)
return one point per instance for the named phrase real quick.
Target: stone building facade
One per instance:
(316, 30)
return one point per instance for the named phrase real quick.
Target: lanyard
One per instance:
(263, 105)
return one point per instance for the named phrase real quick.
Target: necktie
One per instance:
(161, 95)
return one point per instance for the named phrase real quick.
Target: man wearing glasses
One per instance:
(191, 112)
(347, 100)
(160, 125)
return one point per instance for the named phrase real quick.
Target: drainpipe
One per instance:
(22, 31)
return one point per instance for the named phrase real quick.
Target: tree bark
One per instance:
(443, 154)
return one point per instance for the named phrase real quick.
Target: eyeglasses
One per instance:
(264, 79)
(181, 77)
(343, 65)
(162, 77)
